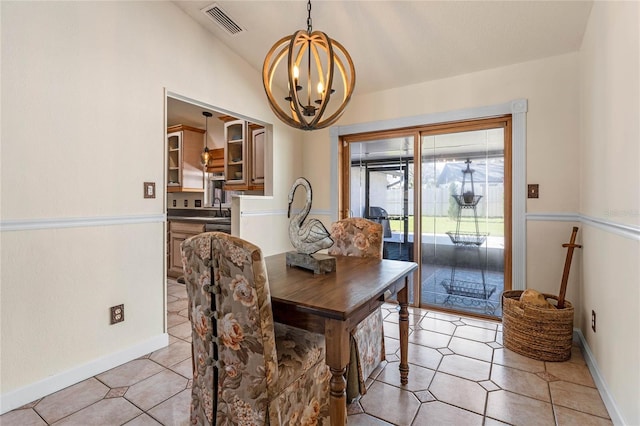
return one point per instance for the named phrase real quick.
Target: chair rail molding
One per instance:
(620, 229)
(518, 109)
(283, 212)
(77, 222)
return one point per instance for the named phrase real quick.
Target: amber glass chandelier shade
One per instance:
(318, 76)
(204, 155)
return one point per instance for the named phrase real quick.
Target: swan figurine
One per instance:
(306, 236)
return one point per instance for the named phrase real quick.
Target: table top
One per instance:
(355, 283)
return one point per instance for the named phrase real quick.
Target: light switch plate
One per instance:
(533, 190)
(149, 190)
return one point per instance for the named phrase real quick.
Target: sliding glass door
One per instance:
(450, 185)
(463, 218)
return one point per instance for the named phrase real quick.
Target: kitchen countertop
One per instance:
(200, 219)
(198, 215)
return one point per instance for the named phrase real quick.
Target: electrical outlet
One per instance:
(593, 320)
(117, 314)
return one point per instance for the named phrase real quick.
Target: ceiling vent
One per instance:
(222, 18)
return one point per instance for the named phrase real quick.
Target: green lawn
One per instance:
(442, 224)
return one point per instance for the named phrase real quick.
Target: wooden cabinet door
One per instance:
(257, 150)
(178, 232)
(185, 173)
(175, 267)
(192, 169)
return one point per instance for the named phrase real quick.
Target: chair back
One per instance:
(356, 236)
(233, 343)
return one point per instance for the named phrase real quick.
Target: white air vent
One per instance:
(222, 18)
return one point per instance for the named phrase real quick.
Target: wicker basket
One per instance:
(538, 333)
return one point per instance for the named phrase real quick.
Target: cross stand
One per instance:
(567, 265)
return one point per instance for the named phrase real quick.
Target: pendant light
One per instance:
(317, 69)
(204, 156)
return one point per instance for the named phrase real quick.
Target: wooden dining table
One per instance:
(334, 303)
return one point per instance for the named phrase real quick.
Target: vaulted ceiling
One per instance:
(398, 43)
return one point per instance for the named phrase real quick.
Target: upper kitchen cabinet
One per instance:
(184, 171)
(236, 161)
(244, 155)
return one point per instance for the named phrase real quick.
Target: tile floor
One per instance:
(459, 375)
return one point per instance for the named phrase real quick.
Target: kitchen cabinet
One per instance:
(236, 159)
(184, 171)
(244, 155)
(178, 232)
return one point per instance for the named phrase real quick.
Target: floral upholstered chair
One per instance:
(247, 370)
(360, 237)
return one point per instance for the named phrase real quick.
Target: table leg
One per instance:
(337, 344)
(403, 300)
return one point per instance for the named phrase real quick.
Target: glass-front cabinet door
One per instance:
(174, 159)
(235, 152)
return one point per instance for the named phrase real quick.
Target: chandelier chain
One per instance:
(309, 29)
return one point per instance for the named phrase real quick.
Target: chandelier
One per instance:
(315, 63)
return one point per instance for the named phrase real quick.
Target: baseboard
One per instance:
(607, 398)
(24, 395)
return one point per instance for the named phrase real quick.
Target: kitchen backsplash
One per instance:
(182, 200)
(191, 200)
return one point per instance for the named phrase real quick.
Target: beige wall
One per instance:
(83, 88)
(610, 193)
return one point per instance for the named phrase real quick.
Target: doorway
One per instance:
(387, 202)
(449, 184)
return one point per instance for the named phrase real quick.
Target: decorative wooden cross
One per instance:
(567, 265)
